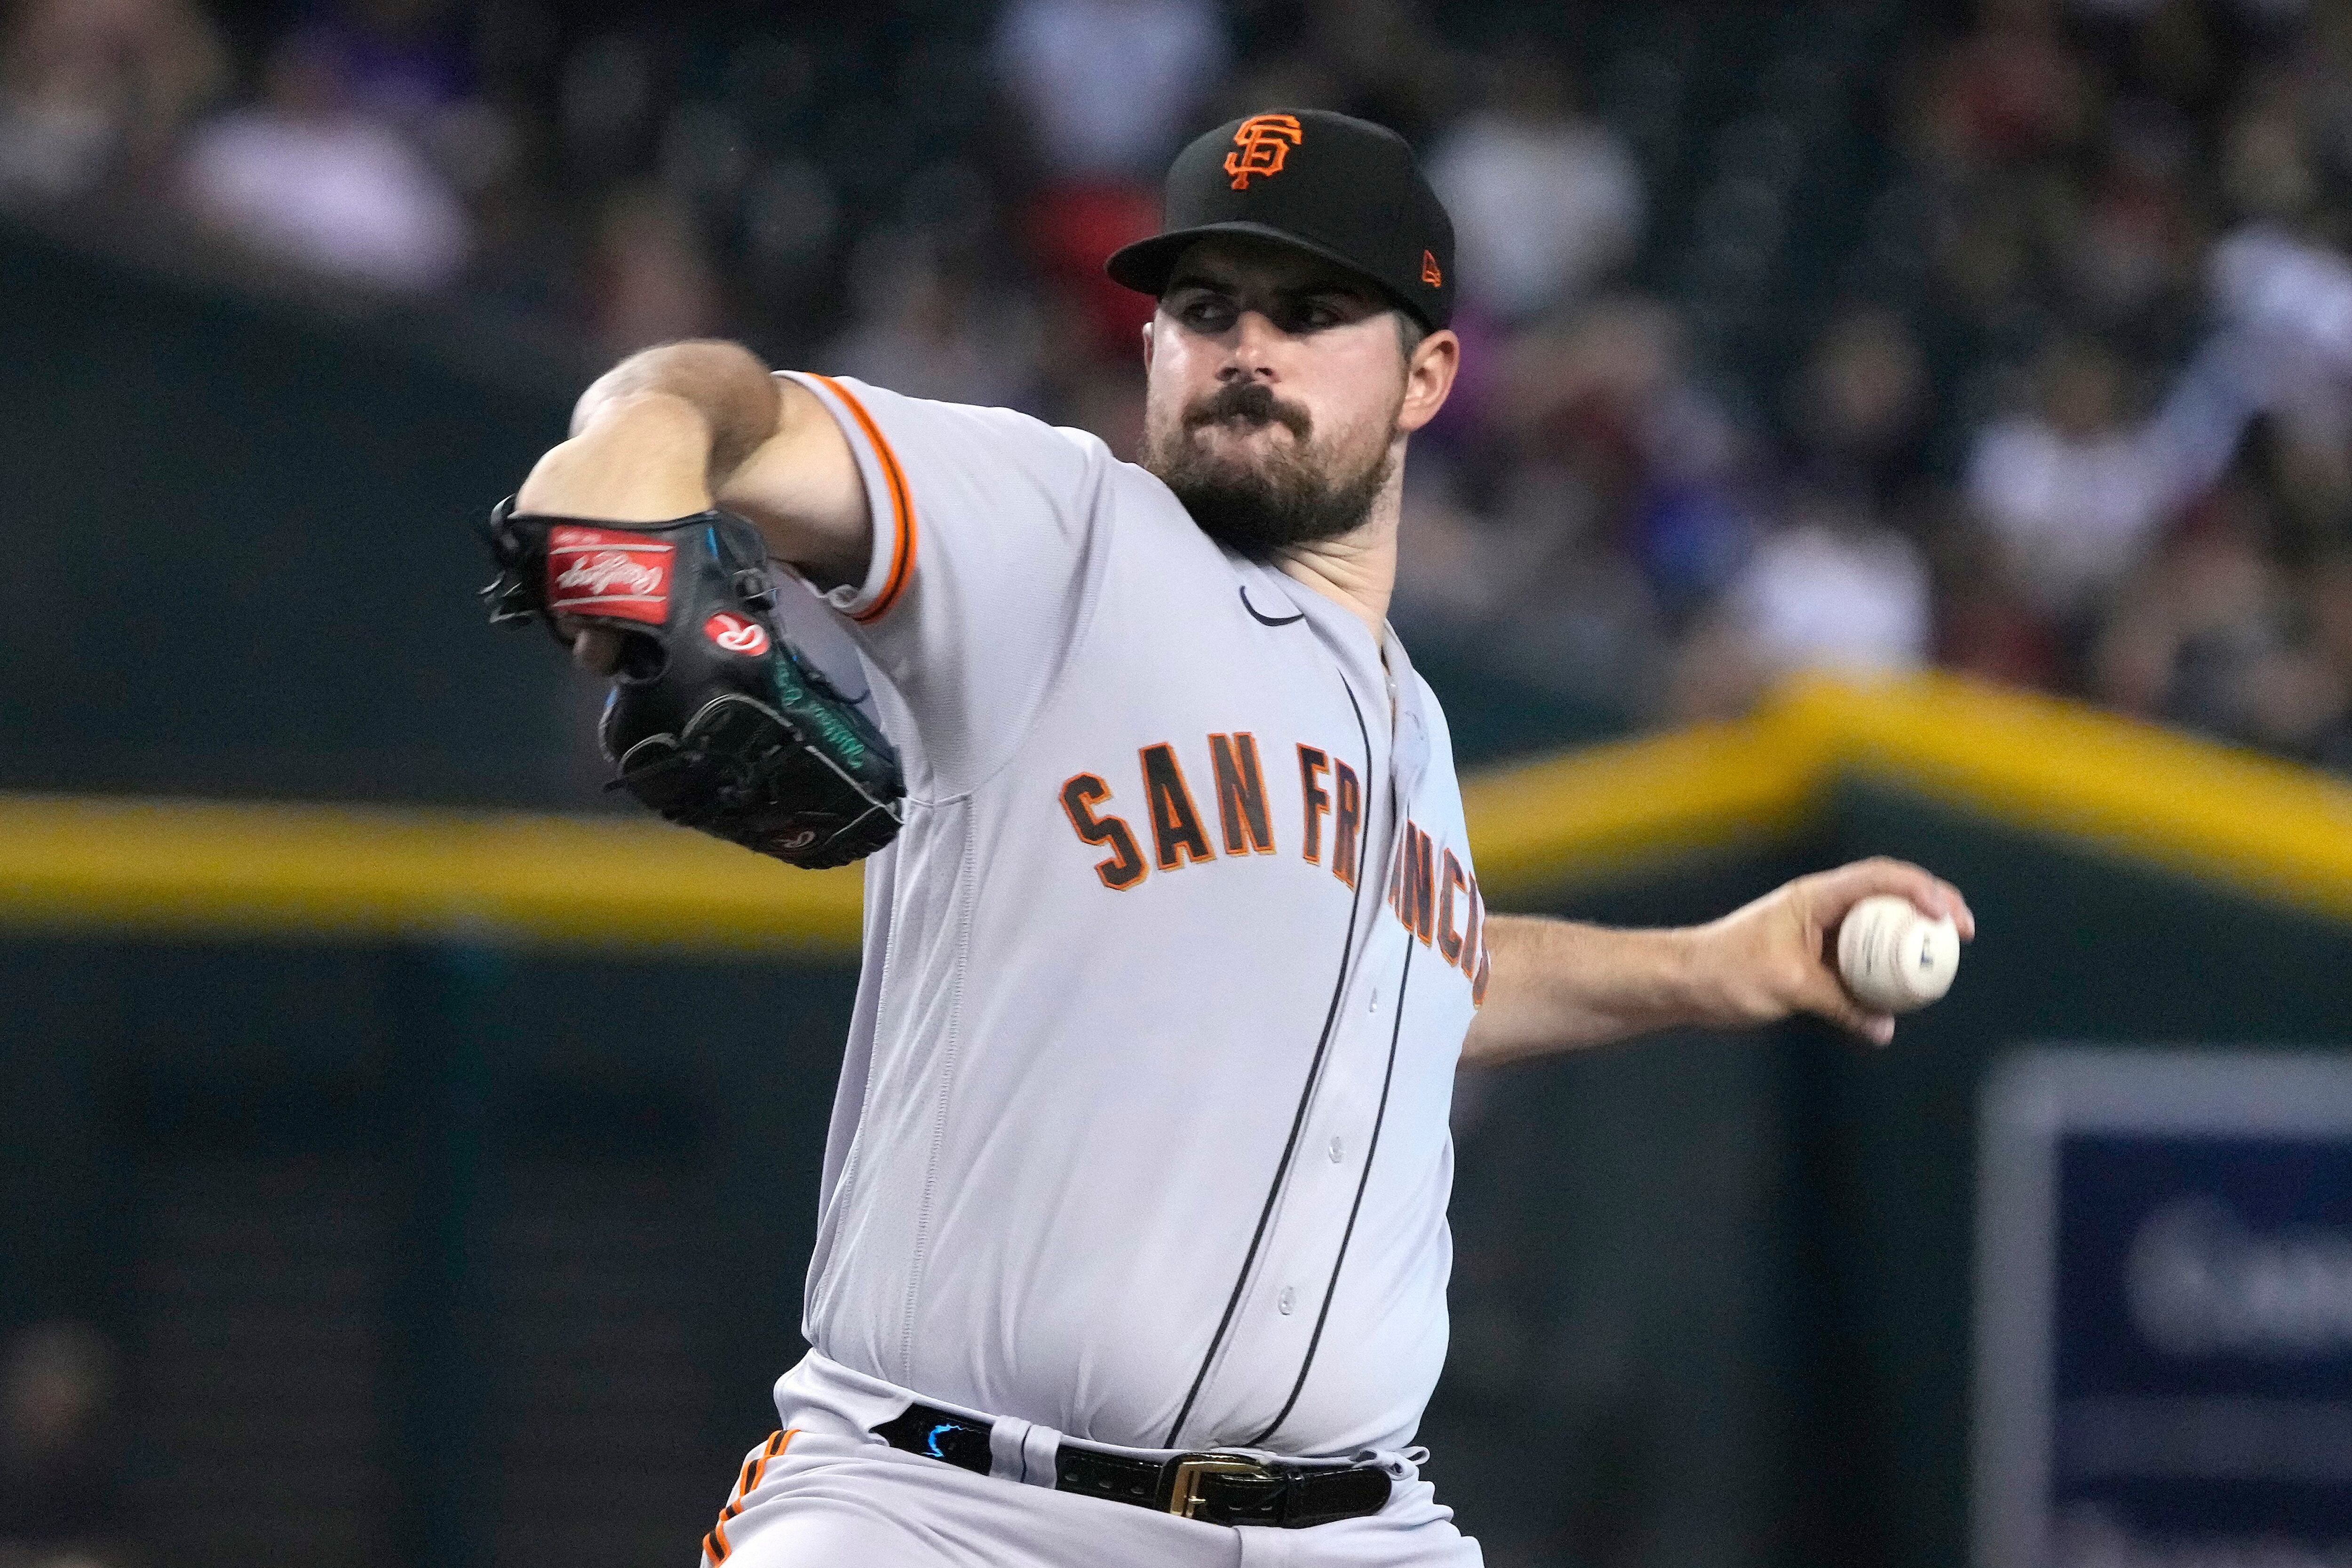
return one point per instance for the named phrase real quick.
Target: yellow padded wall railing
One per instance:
(210, 867)
(333, 872)
(2268, 827)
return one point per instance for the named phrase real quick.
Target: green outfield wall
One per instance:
(238, 555)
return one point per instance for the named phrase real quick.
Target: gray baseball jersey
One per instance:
(1141, 1129)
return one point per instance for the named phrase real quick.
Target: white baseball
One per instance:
(1893, 958)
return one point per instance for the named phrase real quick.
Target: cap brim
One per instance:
(1146, 265)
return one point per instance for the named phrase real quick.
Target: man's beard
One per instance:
(1282, 500)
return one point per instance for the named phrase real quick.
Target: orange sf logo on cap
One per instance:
(1264, 140)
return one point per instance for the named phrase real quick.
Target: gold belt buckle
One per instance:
(1185, 1495)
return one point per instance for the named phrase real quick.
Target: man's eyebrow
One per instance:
(1345, 287)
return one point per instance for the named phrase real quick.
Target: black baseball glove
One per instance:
(715, 721)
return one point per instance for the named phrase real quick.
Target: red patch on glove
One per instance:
(608, 573)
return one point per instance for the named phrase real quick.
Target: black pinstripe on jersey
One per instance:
(1306, 1098)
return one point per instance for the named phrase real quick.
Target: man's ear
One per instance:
(1147, 343)
(1428, 377)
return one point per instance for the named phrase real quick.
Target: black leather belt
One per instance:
(1215, 1488)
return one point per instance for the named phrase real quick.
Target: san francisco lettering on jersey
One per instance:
(1431, 892)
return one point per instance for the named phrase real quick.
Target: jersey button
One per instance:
(1284, 1302)
(1338, 1150)
(1375, 1006)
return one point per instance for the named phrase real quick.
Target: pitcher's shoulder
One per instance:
(963, 431)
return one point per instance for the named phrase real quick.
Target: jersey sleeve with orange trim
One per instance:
(973, 592)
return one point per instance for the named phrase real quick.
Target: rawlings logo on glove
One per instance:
(714, 720)
(585, 567)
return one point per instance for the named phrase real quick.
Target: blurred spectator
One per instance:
(1447, 564)
(1861, 409)
(2134, 246)
(1071, 229)
(1606, 407)
(93, 90)
(649, 281)
(606, 103)
(1830, 588)
(56, 1460)
(404, 59)
(2008, 93)
(1545, 203)
(1108, 88)
(2290, 301)
(1987, 626)
(409, 64)
(1536, 592)
(928, 326)
(305, 177)
(2201, 626)
(1103, 92)
(2317, 720)
(2264, 170)
(1383, 59)
(2073, 490)
(2214, 635)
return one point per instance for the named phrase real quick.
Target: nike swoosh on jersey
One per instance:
(1265, 620)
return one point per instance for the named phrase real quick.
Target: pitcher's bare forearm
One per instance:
(676, 429)
(1558, 984)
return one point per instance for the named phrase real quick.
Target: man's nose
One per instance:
(1251, 357)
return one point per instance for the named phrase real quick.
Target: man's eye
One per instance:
(1313, 316)
(1209, 314)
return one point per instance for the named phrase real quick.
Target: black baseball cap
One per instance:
(1341, 188)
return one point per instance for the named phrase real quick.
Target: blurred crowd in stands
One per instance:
(2013, 336)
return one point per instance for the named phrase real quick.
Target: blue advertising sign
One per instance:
(2164, 1311)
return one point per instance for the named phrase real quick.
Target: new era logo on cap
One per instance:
(1264, 140)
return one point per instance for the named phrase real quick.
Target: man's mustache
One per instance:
(1252, 401)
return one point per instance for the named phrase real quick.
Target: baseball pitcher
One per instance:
(1133, 1245)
